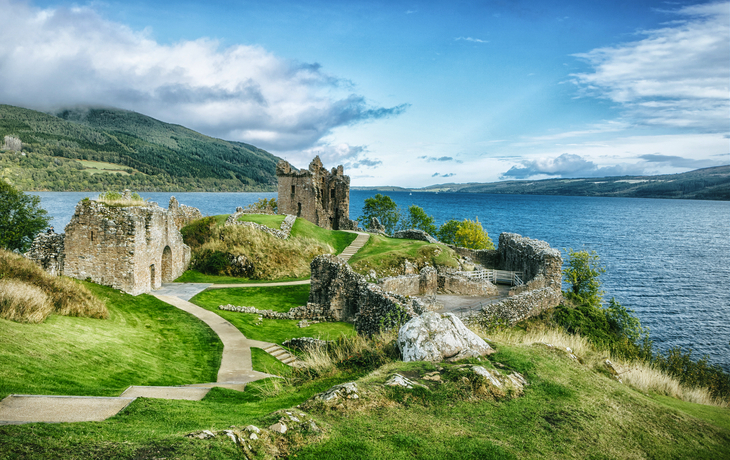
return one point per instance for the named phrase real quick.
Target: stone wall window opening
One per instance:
(299, 209)
(332, 194)
(152, 276)
(92, 236)
(293, 189)
(166, 263)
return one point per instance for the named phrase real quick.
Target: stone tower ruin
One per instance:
(320, 196)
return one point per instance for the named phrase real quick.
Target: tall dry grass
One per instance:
(272, 258)
(324, 360)
(67, 297)
(640, 375)
(23, 302)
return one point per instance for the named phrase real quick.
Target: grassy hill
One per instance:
(100, 148)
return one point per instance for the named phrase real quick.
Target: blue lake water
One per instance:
(669, 260)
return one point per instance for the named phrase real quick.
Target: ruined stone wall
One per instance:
(532, 257)
(460, 285)
(315, 194)
(133, 248)
(488, 258)
(182, 215)
(516, 308)
(47, 251)
(12, 143)
(347, 296)
(425, 283)
(415, 234)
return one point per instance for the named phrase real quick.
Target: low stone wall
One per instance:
(485, 257)
(282, 233)
(310, 311)
(414, 234)
(531, 257)
(425, 283)
(518, 307)
(461, 285)
(47, 251)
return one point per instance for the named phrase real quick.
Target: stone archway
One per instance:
(167, 275)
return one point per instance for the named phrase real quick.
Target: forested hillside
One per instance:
(98, 148)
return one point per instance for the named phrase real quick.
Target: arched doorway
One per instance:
(167, 275)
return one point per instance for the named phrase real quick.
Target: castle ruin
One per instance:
(131, 248)
(320, 196)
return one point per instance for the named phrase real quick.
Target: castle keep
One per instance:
(131, 248)
(320, 196)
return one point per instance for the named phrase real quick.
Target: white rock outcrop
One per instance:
(436, 337)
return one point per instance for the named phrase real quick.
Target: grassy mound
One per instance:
(66, 296)
(144, 342)
(387, 255)
(260, 256)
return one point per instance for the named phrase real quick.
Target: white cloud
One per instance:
(53, 58)
(676, 76)
(471, 39)
(350, 156)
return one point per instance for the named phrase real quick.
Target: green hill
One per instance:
(701, 184)
(123, 149)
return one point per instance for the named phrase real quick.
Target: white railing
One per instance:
(495, 276)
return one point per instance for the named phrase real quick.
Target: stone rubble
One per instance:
(347, 390)
(415, 234)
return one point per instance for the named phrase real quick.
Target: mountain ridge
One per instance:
(156, 156)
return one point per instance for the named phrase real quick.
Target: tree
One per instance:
(418, 219)
(21, 218)
(447, 232)
(471, 235)
(582, 273)
(384, 208)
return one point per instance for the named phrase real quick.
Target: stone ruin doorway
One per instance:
(152, 276)
(167, 265)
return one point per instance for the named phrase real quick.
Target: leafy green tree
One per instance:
(583, 274)
(447, 232)
(471, 235)
(418, 219)
(384, 208)
(21, 218)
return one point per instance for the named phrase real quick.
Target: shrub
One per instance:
(68, 297)
(211, 262)
(471, 235)
(21, 218)
(198, 232)
(695, 373)
(23, 302)
(583, 274)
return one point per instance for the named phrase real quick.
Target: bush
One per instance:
(471, 235)
(695, 373)
(68, 297)
(583, 274)
(211, 262)
(447, 232)
(198, 232)
(21, 218)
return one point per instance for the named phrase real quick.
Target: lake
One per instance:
(669, 260)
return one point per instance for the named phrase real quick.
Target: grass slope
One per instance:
(144, 342)
(274, 298)
(387, 255)
(154, 155)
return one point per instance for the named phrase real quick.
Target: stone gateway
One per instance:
(131, 248)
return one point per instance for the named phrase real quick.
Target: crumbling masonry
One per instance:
(131, 248)
(320, 196)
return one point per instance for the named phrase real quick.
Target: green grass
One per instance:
(277, 298)
(270, 330)
(339, 240)
(264, 362)
(567, 411)
(194, 276)
(144, 342)
(386, 255)
(271, 221)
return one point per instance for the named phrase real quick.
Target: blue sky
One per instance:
(401, 93)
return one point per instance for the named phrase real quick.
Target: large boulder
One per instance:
(436, 337)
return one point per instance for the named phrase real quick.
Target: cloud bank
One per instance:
(574, 165)
(53, 58)
(675, 77)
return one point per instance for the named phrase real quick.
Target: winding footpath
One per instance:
(236, 369)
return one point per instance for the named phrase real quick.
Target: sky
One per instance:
(408, 93)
